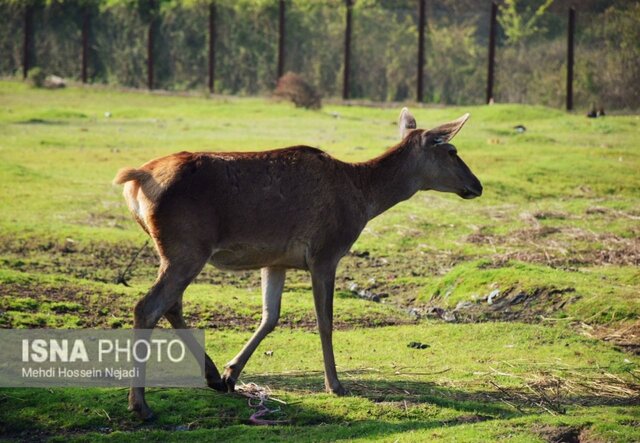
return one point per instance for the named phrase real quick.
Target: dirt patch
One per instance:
(467, 419)
(94, 308)
(625, 336)
(567, 434)
(510, 305)
(101, 262)
(375, 278)
(91, 261)
(559, 434)
(106, 262)
(612, 213)
(550, 215)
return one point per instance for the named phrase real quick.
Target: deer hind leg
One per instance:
(272, 285)
(175, 318)
(173, 278)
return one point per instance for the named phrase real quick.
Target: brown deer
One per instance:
(296, 207)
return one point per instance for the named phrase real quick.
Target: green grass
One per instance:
(558, 223)
(395, 389)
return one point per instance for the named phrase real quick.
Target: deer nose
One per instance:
(472, 191)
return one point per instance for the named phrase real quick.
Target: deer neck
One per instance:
(389, 179)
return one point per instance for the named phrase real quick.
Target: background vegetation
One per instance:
(531, 55)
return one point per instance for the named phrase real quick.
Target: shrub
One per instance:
(292, 86)
(36, 77)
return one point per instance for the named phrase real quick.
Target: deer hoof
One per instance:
(218, 385)
(143, 411)
(229, 382)
(338, 390)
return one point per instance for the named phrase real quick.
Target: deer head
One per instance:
(440, 167)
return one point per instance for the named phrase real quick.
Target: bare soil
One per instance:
(106, 263)
(559, 434)
(359, 273)
(105, 309)
(509, 305)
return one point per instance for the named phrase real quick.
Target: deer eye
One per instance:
(453, 152)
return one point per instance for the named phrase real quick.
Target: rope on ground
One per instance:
(257, 397)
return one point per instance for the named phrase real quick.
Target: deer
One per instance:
(290, 208)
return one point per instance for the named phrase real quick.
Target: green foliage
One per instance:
(520, 20)
(537, 73)
(531, 54)
(606, 73)
(456, 67)
(383, 51)
(611, 75)
(36, 77)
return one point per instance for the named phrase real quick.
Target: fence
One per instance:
(442, 52)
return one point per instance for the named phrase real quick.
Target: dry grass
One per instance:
(562, 247)
(625, 335)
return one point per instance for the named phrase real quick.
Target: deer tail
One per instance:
(128, 174)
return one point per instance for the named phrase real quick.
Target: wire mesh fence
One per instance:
(607, 71)
(11, 38)
(127, 39)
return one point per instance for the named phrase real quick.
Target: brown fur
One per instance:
(296, 207)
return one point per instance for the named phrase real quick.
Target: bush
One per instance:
(36, 77)
(292, 86)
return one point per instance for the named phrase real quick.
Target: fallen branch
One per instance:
(122, 276)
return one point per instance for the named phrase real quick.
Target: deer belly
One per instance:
(250, 257)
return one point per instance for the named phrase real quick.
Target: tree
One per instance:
(520, 20)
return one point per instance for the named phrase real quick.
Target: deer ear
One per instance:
(406, 122)
(444, 133)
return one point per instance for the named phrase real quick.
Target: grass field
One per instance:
(553, 244)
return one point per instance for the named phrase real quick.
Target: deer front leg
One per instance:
(323, 281)
(272, 285)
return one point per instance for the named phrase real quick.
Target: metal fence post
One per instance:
(28, 40)
(150, 39)
(212, 45)
(492, 51)
(570, 47)
(85, 43)
(281, 36)
(421, 21)
(347, 52)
